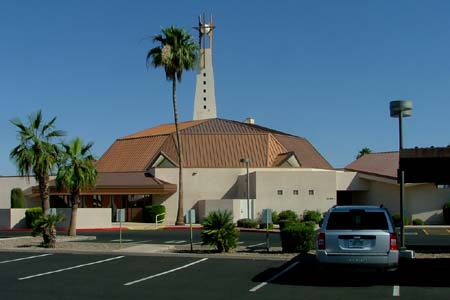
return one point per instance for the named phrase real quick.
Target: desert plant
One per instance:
(17, 198)
(247, 223)
(418, 222)
(264, 226)
(397, 223)
(286, 217)
(32, 214)
(312, 215)
(297, 237)
(151, 211)
(446, 212)
(275, 217)
(46, 226)
(219, 231)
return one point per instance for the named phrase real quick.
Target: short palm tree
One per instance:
(46, 226)
(219, 231)
(175, 53)
(76, 172)
(363, 152)
(36, 153)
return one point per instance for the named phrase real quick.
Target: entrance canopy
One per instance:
(426, 165)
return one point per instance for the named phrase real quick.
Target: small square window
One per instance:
(279, 192)
(295, 192)
(204, 106)
(204, 98)
(204, 74)
(204, 91)
(311, 192)
(204, 82)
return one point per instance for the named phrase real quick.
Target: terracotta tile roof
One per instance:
(307, 155)
(211, 143)
(381, 164)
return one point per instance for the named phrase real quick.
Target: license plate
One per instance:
(355, 243)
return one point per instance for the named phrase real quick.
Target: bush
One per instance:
(17, 198)
(446, 212)
(275, 217)
(418, 222)
(247, 223)
(288, 215)
(151, 211)
(264, 226)
(397, 223)
(32, 214)
(219, 231)
(312, 215)
(297, 237)
(46, 226)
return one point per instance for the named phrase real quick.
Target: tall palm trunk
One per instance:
(44, 194)
(180, 215)
(74, 212)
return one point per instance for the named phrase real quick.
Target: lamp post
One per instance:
(247, 164)
(400, 109)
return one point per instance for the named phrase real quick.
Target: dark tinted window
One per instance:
(357, 219)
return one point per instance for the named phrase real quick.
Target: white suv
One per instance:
(358, 235)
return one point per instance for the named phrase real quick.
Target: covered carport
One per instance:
(426, 165)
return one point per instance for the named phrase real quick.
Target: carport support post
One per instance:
(402, 185)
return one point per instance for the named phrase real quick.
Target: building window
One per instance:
(204, 74)
(204, 82)
(204, 106)
(204, 91)
(311, 192)
(295, 192)
(204, 98)
(279, 192)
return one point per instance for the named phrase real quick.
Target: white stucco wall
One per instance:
(350, 181)
(7, 183)
(322, 182)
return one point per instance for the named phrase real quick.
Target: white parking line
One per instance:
(166, 272)
(24, 258)
(273, 278)
(256, 245)
(71, 268)
(396, 291)
(174, 242)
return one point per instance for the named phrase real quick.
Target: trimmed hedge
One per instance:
(312, 216)
(287, 215)
(297, 237)
(247, 223)
(32, 214)
(418, 222)
(151, 211)
(264, 226)
(446, 212)
(396, 218)
(17, 198)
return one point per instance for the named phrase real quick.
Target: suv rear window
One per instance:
(357, 219)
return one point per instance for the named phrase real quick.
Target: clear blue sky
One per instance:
(323, 70)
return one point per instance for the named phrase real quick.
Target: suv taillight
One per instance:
(393, 242)
(321, 241)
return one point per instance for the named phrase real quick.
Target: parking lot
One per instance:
(71, 276)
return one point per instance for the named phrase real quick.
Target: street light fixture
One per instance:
(247, 164)
(400, 109)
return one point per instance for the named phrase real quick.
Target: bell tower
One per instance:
(205, 98)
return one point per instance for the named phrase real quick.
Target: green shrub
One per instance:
(151, 211)
(418, 222)
(275, 217)
(396, 219)
(446, 212)
(288, 215)
(46, 226)
(264, 226)
(312, 215)
(247, 223)
(219, 231)
(297, 237)
(32, 214)
(17, 198)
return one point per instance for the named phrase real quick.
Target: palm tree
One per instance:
(175, 53)
(363, 151)
(36, 154)
(76, 172)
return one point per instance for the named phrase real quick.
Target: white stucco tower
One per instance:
(205, 97)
